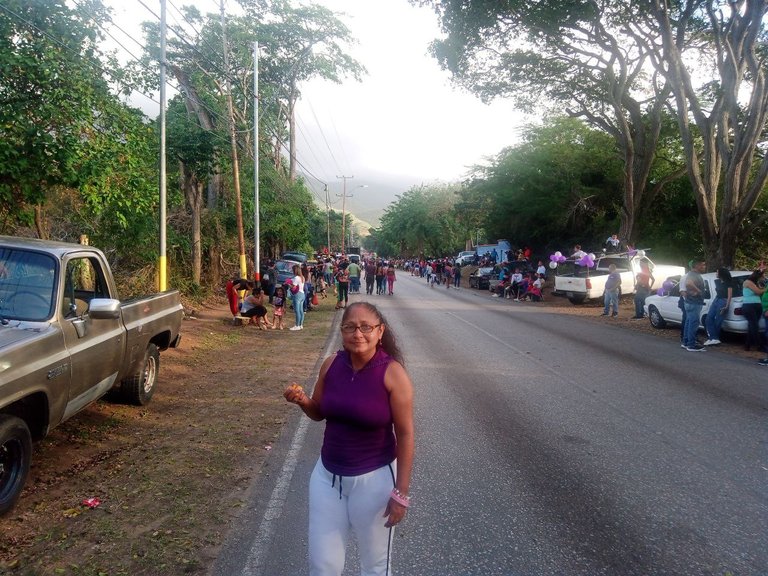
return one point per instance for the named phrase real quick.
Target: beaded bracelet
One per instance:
(400, 498)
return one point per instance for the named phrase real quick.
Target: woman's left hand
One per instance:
(394, 513)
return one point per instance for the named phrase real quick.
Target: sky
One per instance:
(403, 125)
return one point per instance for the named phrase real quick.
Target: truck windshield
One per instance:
(26, 285)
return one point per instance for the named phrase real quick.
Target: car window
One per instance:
(27, 281)
(738, 286)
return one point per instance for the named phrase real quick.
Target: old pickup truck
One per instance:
(579, 283)
(66, 341)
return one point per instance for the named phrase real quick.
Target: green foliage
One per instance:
(61, 125)
(422, 223)
(556, 188)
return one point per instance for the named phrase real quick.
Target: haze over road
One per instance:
(547, 444)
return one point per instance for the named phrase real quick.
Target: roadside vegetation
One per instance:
(646, 121)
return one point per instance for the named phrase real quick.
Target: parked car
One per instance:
(284, 271)
(663, 310)
(464, 258)
(300, 257)
(481, 278)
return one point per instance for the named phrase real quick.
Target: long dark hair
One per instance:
(724, 274)
(388, 339)
(755, 276)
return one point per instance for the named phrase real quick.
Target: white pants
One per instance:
(340, 503)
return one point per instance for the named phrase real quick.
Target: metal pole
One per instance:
(327, 220)
(163, 260)
(344, 210)
(256, 217)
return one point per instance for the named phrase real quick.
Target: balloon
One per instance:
(553, 265)
(553, 257)
(588, 260)
(641, 253)
(558, 254)
(591, 255)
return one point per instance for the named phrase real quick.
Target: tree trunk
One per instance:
(728, 128)
(193, 190)
(192, 102)
(42, 232)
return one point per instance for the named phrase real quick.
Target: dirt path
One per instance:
(171, 476)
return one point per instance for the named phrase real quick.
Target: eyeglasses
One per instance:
(364, 328)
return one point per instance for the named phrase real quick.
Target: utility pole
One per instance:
(233, 139)
(256, 215)
(163, 258)
(327, 220)
(343, 210)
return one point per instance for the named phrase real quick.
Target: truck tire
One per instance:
(15, 457)
(577, 299)
(138, 389)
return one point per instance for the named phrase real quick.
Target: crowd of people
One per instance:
(329, 276)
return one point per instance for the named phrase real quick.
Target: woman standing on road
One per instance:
(362, 478)
(752, 308)
(719, 307)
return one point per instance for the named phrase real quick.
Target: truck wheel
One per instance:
(138, 389)
(577, 299)
(657, 320)
(15, 456)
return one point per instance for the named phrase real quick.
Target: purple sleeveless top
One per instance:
(359, 434)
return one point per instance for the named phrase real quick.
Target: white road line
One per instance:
(254, 562)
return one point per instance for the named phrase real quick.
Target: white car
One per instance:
(663, 310)
(466, 257)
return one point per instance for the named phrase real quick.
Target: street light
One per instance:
(344, 207)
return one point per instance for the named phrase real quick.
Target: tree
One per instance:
(299, 43)
(555, 188)
(62, 127)
(195, 150)
(722, 122)
(580, 56)
(422, 222)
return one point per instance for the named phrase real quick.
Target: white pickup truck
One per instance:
(579, 283)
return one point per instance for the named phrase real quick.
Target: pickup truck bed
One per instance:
(579, 284)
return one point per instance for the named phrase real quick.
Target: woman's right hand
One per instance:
(295, 394)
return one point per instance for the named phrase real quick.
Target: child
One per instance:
(322, 287)
(278, 308)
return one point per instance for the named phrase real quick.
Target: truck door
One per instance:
(95, 346)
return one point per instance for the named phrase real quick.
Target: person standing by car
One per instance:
(362, 479)
(720, 305)
(752, 308)
(694, 302)
(643, 282)
(611, 295)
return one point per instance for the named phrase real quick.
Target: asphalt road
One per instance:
(547, 445)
